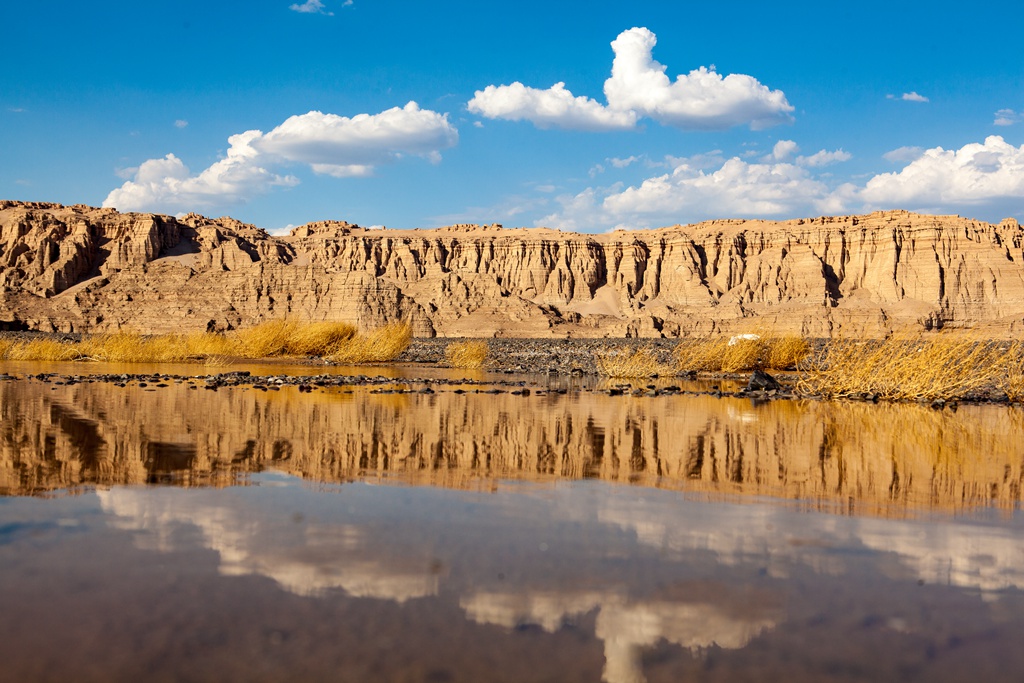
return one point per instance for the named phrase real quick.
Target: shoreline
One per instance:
(536, 359)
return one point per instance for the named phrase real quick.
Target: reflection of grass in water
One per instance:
(466, 354)
(338, 341)
(938, 457)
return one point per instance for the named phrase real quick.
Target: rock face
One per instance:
(81, 269)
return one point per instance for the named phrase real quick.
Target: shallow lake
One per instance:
(348, 534)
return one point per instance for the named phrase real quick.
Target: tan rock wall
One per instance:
(82, 269)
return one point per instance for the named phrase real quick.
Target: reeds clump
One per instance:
(740, 353)
(624, 362)
(378, 346)
(1011, 379)
(290, 338)
(466, 354)
(944, 366)
(39, 349)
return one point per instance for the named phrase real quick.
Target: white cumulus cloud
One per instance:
(689, 194)
(782, 150)
(639, 87)
(331, 145)
(555, 107)
(167, 185)
(909, 97)
(181, 123)
(902, 155)
(701, 99)
(312, 7)
(366, 139)
(623, 162)
(984, 180)
(1008, 117)
(975, 174)
(823, 158)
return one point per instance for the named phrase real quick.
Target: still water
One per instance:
(177, 533)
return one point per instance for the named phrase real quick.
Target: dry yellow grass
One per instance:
(339, 341)
(466, 354)
(40, 349)
(946, 365)
(1011, 380)
(319, 339)
(378, 346)
(716, 354)
(625, 362)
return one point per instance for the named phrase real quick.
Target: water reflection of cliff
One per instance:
(877, 459)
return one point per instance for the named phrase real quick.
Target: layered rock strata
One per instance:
(83, 269)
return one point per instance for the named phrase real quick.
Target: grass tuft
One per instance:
(41, 349)
(624, 362)
(466, 354)
(718, 355)
(379, 346)
(944, 366)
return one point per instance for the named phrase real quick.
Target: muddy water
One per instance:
(178, 533)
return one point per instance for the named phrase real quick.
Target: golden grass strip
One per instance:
(339, 341)
(466, 354)
(42, 349)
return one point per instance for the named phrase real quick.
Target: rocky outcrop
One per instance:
(84, 269)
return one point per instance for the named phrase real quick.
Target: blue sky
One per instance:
(413, 114)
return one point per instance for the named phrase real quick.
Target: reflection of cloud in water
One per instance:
(952, 553)
(963, 555)
(625, 626)
(306, 560)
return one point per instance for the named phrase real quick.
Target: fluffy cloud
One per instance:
(902, 155)
(908, 97)
(986, 179)
(555, 107)
(1008, 117)
(702, 99)
(317, 138)
(181, 123)
(623, 163)
(312, 7)
(973, 175)
(689, 194)
(783, 149)
(167, 184)
(823, 158)
(638, 87)
(331, 145)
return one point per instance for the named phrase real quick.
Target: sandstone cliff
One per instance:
(79, 268)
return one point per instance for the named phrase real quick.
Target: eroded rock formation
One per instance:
(85, 269)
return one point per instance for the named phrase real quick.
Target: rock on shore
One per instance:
(83, 269)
